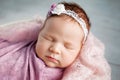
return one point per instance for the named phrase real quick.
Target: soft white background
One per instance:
(104, 16)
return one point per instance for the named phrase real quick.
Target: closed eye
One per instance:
(68, 46)
(47, 38)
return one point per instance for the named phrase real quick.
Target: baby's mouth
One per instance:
(52, 59)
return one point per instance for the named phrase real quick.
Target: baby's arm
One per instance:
(20, 31)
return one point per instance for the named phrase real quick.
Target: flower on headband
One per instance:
(51, 9)
(60, 8)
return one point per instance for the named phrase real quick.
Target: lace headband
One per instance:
(60, 9)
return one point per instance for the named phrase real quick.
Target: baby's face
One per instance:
(59, 42)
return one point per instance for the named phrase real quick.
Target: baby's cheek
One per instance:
(42, 48)
(67, 61)
(38, 48)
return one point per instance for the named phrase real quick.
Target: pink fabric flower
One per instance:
(51, 9)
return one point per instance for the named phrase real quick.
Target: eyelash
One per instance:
(48, 38)
(68, 46)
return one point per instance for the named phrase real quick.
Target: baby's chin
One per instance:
(52, 65)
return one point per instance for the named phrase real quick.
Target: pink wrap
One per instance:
(90, 64)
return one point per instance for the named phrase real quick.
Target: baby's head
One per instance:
(63, 34)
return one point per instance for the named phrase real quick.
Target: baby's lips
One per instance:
(52, 59)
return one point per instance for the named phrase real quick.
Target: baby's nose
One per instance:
(56, 48)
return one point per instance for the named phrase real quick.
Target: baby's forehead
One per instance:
(62, 21)
(59, 25)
